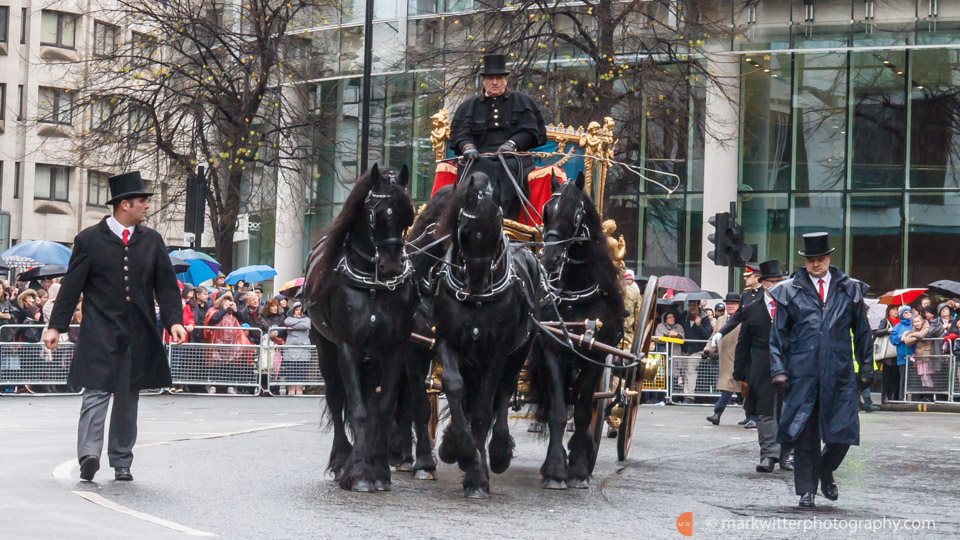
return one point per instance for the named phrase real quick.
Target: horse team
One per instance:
(456, 276)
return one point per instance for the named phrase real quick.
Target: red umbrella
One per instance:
(678, 283)
(901, 297)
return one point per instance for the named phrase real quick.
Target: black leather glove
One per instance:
(780, 381)
(508, 146)
(863, 383)
(470, 152)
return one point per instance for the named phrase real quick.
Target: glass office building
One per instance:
(846, 113)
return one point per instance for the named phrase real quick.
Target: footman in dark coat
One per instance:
(817, 311)
(120, 267)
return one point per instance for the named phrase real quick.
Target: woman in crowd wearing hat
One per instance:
(810, 357)
(725, 350)
(120, 266)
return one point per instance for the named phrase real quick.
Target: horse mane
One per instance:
(606, 274)
(431, 214)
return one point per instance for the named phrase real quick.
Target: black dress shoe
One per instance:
(808, 500)
(766, 465)
(786, 464)
(714, 419)
(742, 422)
(89, 465)
(122, 474)
(828, 487)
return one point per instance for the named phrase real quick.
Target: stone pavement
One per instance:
(244, 467)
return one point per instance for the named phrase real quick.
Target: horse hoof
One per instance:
(363, 486)
(578, 484)
(424, 475)
(554, 484)
(381, 485)
(406, 466)
(476, 493)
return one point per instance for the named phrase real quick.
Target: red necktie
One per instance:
(126, 238)
(823, 297)
(773, 308)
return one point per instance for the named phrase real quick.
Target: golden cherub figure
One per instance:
(440, 133)
(617, 246)
(592, 139)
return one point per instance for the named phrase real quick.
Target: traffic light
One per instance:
(719, 238)
(196, 203)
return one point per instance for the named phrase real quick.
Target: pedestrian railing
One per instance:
(691, 375)
(930, 374)
(28, 366)
(290, 366)
(228, 357)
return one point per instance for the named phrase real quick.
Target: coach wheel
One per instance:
(647, 318)
(625, 433)
(599, 417)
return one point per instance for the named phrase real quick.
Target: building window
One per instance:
(3, 101)
(104, 38)
(51, 182)
(101, 113)
(55, 106)
(24, 19)
(21, 111)
(98, 189)
(4, 23)
(138, 120)
(17, 167)
(58, 29)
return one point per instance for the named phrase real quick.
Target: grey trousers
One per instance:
(123, 421)
(767, 436)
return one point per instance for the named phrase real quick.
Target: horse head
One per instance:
(479, 231)
(563, 219)
(387, 214)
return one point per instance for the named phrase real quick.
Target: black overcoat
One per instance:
(119, 283)
(811, 343)
(752, 360)
(487, 122)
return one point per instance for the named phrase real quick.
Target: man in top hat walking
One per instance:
(498, 120)
(752, 366)
(119, 266)
(816, 312)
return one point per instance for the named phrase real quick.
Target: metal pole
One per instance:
(367, 91)
(731, 265)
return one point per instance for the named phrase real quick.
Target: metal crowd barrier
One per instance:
(691, 375)
(290, 365)
(223, 360)
(30, 364)
(931, 373)
(659, 383)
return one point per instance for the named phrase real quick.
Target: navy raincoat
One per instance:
(810, 343)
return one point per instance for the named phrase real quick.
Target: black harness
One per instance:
(581, 233)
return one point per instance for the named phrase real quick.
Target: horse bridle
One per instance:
(370, 203)
(496, 260)
(581, 233)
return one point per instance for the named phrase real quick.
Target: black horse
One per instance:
(360, 295)
(413, 412)
(588, 287)
(486, 300)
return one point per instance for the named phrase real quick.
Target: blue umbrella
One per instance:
(197, 273)
(190, 255)
(251, 274)
(42, 251)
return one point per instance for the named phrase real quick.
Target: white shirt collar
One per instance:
(826, 283)
(117, 228)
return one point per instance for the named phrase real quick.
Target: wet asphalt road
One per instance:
(246, 467)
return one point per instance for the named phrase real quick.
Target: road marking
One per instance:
(110, 505)
(907, 434)
(901, 447)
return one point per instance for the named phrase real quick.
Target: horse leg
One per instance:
(340, 451)
(476, 481)
(401, 438)
(582, 447)
(385, 397)
(418, 366)
(554, 468)
(457, 444)
(501, 443)
(357, 475)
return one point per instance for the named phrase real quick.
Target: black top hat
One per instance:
(770, 269)
(494, 64)
(816, 244)
(732, 297)
(127, 186)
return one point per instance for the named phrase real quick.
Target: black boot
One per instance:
(714, 418)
